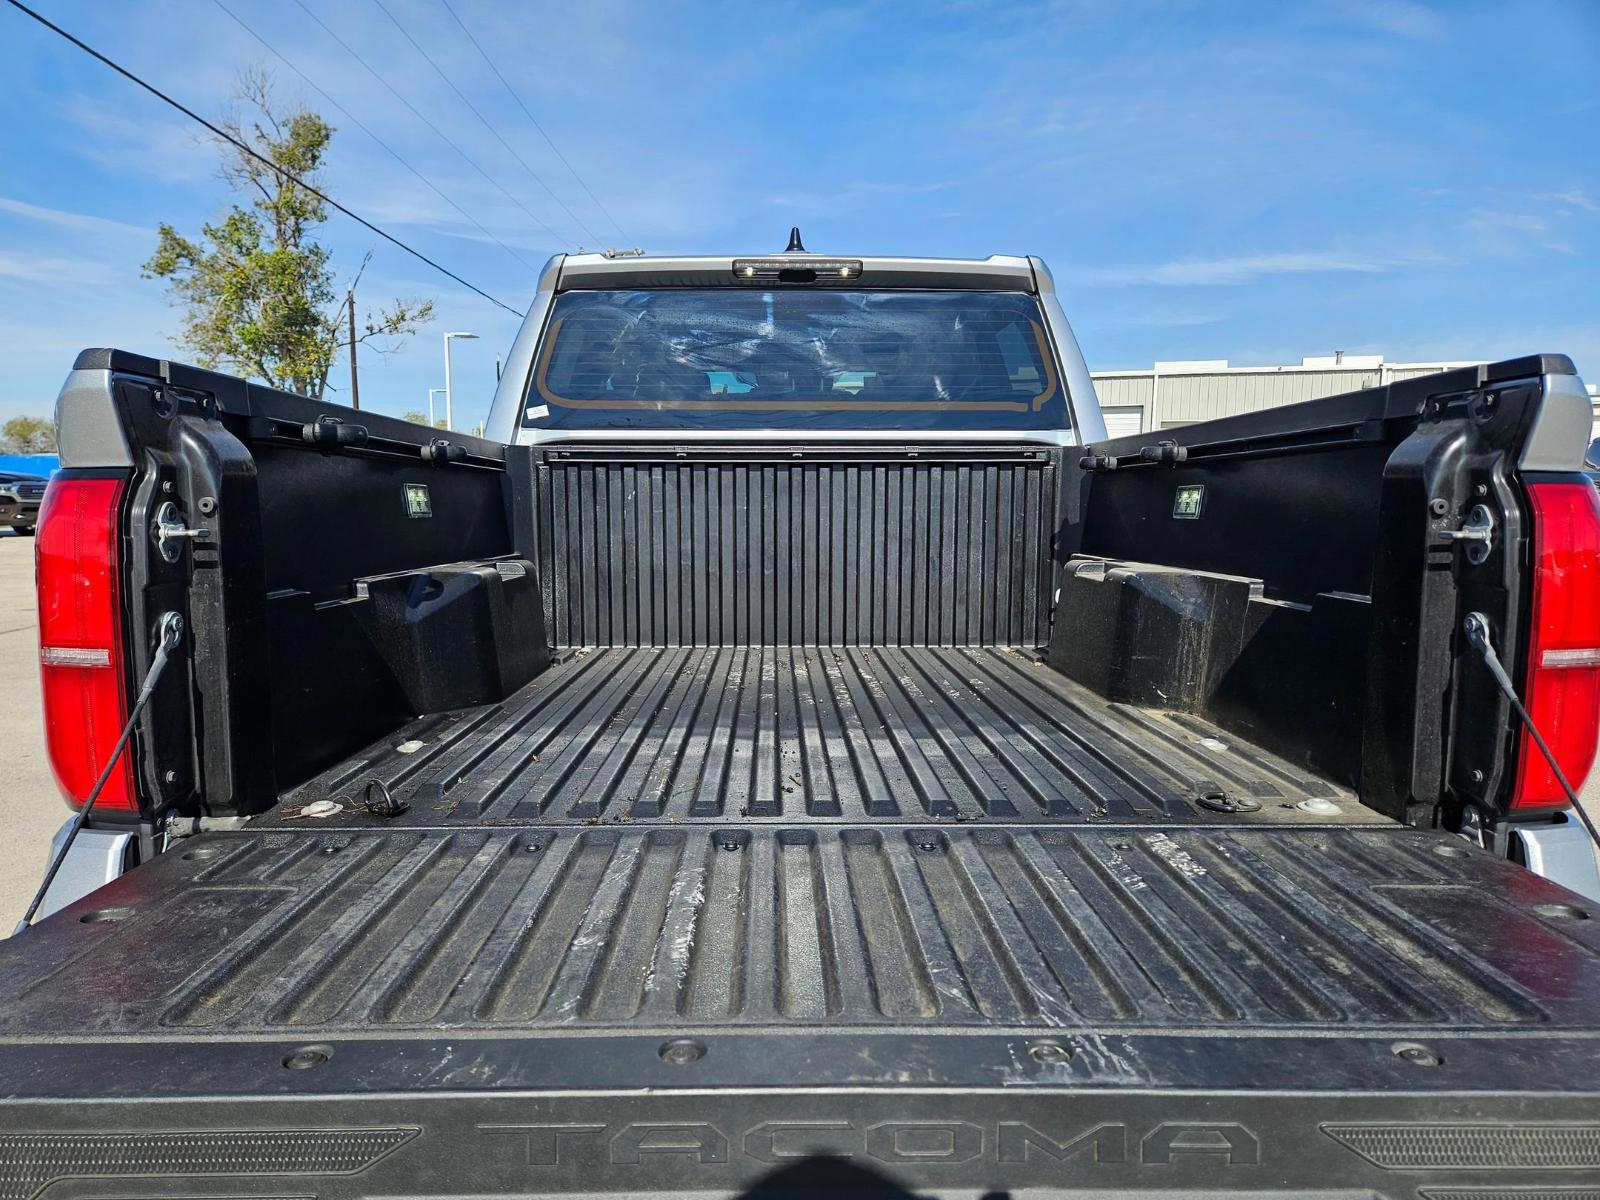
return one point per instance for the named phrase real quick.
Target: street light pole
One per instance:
(432, 392)
(449, 407)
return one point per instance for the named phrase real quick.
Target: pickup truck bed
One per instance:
(745, 869)
(853, 734)
(576, 962)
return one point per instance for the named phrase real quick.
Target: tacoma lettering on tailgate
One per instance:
(888, 1141)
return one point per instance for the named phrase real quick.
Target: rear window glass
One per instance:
(735, 358)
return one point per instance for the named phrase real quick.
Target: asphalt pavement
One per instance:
(30, 805)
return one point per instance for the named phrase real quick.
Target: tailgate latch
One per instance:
(170, 532)
(1477, 534)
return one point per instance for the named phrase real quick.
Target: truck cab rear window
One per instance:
(735, 358)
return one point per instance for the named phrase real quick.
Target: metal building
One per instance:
(1180, 393)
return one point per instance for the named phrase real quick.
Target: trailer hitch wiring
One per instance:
(170, 632)
(1476, 627)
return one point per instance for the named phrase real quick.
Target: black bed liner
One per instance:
(908, 919)
(789, 927)
(802, 1010)
(820, 735)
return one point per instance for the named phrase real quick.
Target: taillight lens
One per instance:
(80, 638)
(1562, 686)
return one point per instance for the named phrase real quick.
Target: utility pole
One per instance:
(355, 391)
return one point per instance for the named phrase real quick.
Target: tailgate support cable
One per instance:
(1477, 631)
(170, 628)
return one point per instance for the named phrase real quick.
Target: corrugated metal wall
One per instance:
(1183, 394)
(1118, 390)
(896, 552)
(1206, 397)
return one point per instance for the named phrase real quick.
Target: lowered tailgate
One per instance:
(580, 1008)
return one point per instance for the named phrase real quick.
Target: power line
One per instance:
(262, 159)
(533, 120)
(468, 159)
(393, 153)
(439, 71)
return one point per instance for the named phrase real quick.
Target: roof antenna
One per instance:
(796, 246)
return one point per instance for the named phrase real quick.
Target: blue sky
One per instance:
(1251, 182)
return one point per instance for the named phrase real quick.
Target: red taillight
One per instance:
(1562, 684)
(80, 638)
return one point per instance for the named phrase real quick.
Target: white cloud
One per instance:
(65, 219)
(1573, 197)
(51, 269)
(1226, 272)
(127, 134)
(1581, 342)
(1503, 231)
(1398, 18)
(1152, 320)
(1491, 221)
(852, 195)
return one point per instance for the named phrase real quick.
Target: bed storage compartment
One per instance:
(456, 635)
(1159, 637)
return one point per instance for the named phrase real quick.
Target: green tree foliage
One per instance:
(28, 435)
(256, 288)
(418, 417)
